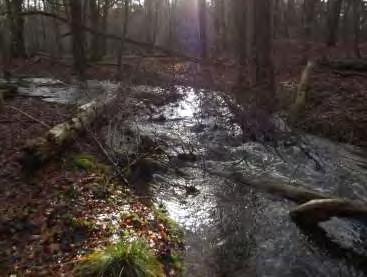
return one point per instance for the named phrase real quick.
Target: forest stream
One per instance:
(232, 229)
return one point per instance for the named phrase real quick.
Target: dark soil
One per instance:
(337, 106)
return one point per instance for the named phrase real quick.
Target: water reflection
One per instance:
(232, 230)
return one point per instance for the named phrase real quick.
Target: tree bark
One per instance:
(123, 36)
(78, 37)
(264, 47)
(356, 27)
(59, 46)
(95, 51)
(308, 19)
(151, 21)
(219, 26)
(202, 27)
(172, 24)
(40, 150)
(16, 23)
(334, 8)
(290, 18)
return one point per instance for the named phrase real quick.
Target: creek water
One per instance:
(235, 230)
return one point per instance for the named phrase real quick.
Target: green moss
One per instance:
(130, 259)
(89, 163)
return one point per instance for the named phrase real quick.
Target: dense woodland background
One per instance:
(240, 29)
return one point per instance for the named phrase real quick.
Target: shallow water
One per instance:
(56, 91)
(232, 229)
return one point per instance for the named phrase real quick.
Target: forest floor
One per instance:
(71, 206)
(49, 222)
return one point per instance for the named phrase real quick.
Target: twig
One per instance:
(29, 116)
(104, 151)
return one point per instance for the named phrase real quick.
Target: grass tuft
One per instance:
(129, 259)
(175, 231)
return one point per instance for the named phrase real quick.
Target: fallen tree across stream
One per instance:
(314, 206)
(37, 151)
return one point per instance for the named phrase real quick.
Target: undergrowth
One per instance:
(129, 259)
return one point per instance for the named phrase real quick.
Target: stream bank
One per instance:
(74, 205)
(232, 229)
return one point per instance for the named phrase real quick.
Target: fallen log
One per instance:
(319, 210)
(314, 206)
(294, 192)
(38, 151)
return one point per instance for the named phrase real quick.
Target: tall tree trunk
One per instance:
(219, 26)
(172, 24)
(56, 26)
(334, 8)
(308, 19)
(102, 27)
(357, 5)
(123, 36)
(263, 45)
(95, 51)
(16, 23)
(346, 25)
(290, 18)
(78, 36)
(150, 19)
(277, 17)
(202, 27)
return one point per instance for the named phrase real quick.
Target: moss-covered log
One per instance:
(38, 151)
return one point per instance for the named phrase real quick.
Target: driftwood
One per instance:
(39, 150)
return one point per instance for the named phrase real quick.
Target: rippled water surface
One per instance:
(232, 229)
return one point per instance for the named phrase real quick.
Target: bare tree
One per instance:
(357, 6)
(202, 27)
(16, 24)
(78, 36)
(172, 23)
(219, 25)
(123, 36)
(333, 15)
(308, 19)
(263, 45)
